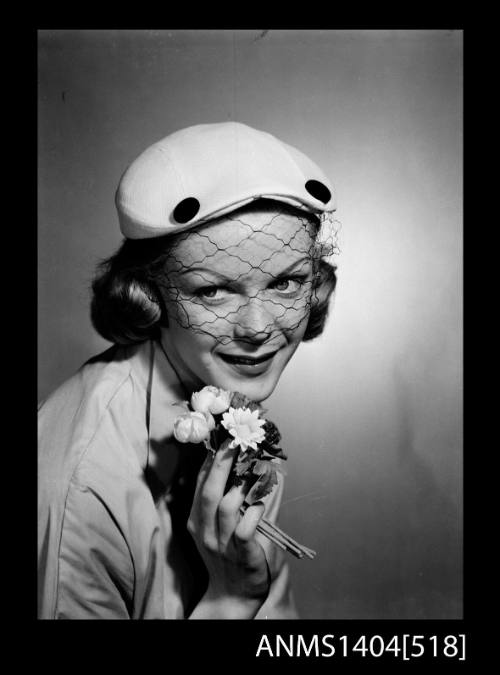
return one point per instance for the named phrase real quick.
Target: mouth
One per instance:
(236, 359)
(248, 365)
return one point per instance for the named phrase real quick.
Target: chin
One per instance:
(256, 391)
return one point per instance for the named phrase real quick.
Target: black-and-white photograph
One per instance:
(250, 324)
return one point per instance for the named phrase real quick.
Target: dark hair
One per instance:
(127, 308)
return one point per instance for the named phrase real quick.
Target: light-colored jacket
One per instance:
(114, 495)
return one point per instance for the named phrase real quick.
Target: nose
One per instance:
(254, 321)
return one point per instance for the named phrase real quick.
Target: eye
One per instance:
(288, 284)
(211, 292)
(282, 285)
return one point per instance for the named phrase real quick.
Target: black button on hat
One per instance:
(186, 210)
(318, 191)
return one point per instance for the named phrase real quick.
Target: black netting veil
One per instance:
(248, 276)
(251, 285)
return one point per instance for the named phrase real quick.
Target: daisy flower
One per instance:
(245, 426)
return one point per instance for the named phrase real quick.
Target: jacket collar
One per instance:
(164, 402)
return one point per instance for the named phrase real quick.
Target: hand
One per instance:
(239, 576)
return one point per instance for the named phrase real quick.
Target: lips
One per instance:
(240, 360)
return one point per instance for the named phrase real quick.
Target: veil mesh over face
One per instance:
(246, 278)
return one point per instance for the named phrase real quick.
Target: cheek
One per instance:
(293, 323)
(192, 345)
(195, 318)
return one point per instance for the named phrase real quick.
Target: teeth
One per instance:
(237, 359)
(245, 361)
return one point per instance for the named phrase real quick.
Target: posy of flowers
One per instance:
(224, 419)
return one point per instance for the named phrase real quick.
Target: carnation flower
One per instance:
(245, 426)
(211, 400)
(192, 427)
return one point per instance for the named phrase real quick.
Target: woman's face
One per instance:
(237, 293)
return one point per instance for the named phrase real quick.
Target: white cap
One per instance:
(208, 170)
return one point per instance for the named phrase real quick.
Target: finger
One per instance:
(210, 491)
(200, 479)
(203, 472)
(192, 523)
(229, 511)
(218, 472)
(247, 527)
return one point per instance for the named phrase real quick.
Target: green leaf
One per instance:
(241, 401)
(232, 481)
(271, 451)
(242, 466)
(267, 480)
(279, 467)
(261, 466)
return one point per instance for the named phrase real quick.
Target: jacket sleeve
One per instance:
(95, 569)
(280, 603)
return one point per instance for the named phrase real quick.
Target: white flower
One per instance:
(245, 426)
(211, 400)
(192, 427)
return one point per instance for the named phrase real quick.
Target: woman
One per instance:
(220, 277)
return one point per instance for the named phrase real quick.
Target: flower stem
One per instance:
(280, 538)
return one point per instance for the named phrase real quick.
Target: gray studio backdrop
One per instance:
(371, 411)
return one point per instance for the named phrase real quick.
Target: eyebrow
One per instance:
(223, 277)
